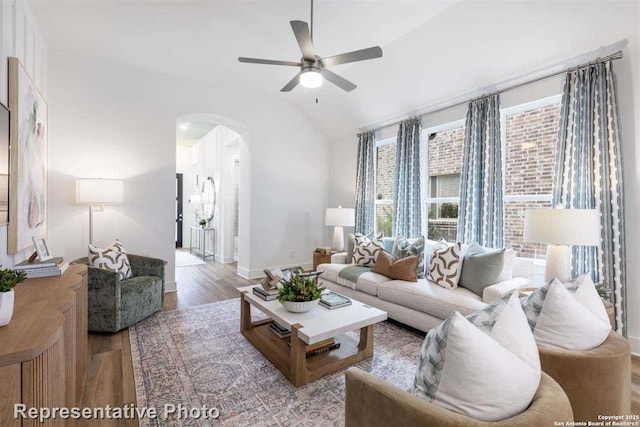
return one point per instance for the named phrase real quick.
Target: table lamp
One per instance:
(97, 192)
(560, 229)
(339, 217)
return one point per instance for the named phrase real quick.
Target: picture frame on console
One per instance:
(28, 160)
(42, 249)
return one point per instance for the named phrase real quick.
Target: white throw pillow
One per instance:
(569, 316)
(487, 372)
(112, 258)
(366, 250)
(445, 265)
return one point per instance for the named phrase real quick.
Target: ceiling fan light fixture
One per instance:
(311, 78)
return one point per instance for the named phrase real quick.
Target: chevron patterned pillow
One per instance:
(113, 258)
(485, 366)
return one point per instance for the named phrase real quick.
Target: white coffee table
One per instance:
(309, 328)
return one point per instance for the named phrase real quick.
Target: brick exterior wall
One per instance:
(385, 179)
(530, 161)
(445, 152)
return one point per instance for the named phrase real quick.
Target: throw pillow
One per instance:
(397, 269)
(569, 316)
(351, 243)
(468, 370)
(481, 268)
(366, 250)
(403, 247)
(112, 258)
(445, 265)
(508, 266)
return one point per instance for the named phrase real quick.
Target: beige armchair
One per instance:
(597, 382)
(372, 402)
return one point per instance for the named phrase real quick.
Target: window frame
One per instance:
(383, 202)
(424, 171)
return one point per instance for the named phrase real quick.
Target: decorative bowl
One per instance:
(299, 306)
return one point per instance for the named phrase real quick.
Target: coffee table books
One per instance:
(332, 300)
(307, 329)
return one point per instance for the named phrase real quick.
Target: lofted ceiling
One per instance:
(433, 50)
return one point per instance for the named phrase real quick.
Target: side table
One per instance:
(320, 258)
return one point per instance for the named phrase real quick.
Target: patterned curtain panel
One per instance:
(481, 212)
(366, 183)
(589, 174)
(407, 210)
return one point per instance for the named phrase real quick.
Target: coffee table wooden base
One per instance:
(291, 360)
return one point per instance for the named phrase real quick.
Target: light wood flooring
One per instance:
(109, 379)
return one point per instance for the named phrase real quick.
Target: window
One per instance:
(385, 183)
(529, 138)
(442, 179)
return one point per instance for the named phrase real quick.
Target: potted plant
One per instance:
(299, 293)
(203, 223)
(8, 280)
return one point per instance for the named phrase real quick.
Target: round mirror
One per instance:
(208, 198)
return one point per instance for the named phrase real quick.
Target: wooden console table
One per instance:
(43, 351)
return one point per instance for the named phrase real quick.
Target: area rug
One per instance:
(185, 259)
(196, 356)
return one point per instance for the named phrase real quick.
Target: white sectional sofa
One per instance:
(421, 305)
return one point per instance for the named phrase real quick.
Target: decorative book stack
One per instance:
(332, 300)
(321, 347)
(265, 295)
(279, 330)
(51, 267)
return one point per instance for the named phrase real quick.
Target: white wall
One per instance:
(343, 150)
(115, 121)
(20, 38)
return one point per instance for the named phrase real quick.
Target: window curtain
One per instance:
(589, 174)
(481, 212)
(407, 211)
(366, 183)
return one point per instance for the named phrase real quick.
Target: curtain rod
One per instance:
(613, 56)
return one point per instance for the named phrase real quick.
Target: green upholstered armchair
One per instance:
(116, 304)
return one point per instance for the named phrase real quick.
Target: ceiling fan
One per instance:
(312, 67)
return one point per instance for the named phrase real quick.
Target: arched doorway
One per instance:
(212, 169)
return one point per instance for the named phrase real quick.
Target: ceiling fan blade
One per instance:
(268, 62)
(356, 55)
(303, 36)
(293, 83)
(341, 82)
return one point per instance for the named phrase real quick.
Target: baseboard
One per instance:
(635, 345)
(170, 287)
(225, 260)
(259, 273)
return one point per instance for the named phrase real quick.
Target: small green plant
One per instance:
(10, 278)
(203, 222)
(300, 289)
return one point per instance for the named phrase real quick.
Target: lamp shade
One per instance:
(340, 217)
(98, 191)
(574, 227)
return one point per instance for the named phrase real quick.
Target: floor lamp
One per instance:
(560, 229)
(97, 192)
(339, 217)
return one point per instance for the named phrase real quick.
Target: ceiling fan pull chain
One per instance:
(311, 29)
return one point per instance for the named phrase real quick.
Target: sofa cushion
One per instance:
(481, 268)
(367, 282)
(403, 247)
(366, 250)
(400, 269)
(445, 265)
(429, 298)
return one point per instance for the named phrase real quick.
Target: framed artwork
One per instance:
(42, 249)
(28, 160)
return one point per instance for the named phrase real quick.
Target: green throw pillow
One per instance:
(481, 268)
(404, 247)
